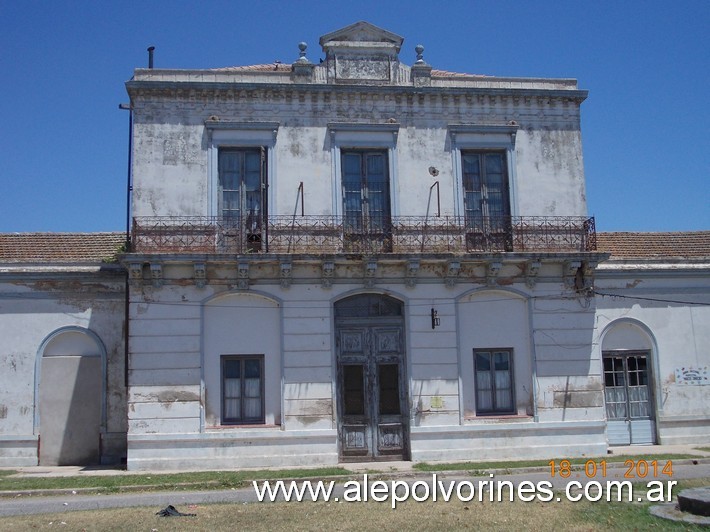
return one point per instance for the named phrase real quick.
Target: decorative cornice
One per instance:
(392, 127)
(184, 88)
(575, 270)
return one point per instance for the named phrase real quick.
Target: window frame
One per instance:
(240, 135)
(345, 136)
(242, 186)
(495, 411)
(365, 215)
(483, 176)
(262, 380)
(475, 138)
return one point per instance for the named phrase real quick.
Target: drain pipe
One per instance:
(129, 190)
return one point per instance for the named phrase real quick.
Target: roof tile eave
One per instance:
(655, 245)
(60, 248)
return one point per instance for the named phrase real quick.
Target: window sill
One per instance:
(493, 418)
(242, 427)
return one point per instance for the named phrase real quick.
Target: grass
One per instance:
(207, 480)
(173, 481)
(482, 467)
(454, 515)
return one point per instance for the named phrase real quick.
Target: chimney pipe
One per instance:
(150, 56)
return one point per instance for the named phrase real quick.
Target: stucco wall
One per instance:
(174, 175)
(32, 309)
(676, 335)
(174, 401)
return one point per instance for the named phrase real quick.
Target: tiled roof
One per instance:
(63, 248)
(97, 247)
(624, 245)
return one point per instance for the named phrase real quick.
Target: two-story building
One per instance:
(358, 260)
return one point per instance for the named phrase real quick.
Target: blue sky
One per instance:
(63, 140)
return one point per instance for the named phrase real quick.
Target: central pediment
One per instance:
(362, 53)
(361, 36)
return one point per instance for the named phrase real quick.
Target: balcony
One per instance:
(333, 235)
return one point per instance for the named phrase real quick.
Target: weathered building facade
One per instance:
(62, 364)
(357, 260)
(652, 331)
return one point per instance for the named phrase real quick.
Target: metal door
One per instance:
(629, 399)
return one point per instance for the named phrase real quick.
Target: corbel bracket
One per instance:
(243, 275)
(532, 268)
(569, 272)
(200, 274)
(453, 269)
(156, 274)
(412, 270)
(286, 269)
(492, 271)
(327, 273)
(136, 273)
(370, 271)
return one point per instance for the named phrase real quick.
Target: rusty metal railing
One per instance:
(335, 234)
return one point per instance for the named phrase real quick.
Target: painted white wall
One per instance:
(31, 311)
(676, 335)
(174, 175)
(242, 324)
(490, 319)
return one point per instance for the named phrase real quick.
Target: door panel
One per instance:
(628, 398)
(390, 426)
(372, 403)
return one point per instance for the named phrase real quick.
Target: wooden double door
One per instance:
(373, 413)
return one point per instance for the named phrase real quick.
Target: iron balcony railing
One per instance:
(336, 234)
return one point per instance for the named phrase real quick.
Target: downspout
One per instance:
(129, 191)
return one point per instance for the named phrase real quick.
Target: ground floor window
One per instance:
(493, 370)
(242, 389)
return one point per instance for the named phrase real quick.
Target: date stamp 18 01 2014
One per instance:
(631, 469)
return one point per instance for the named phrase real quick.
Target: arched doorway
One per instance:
(71, 397)
(373, 412)
(628, 385)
